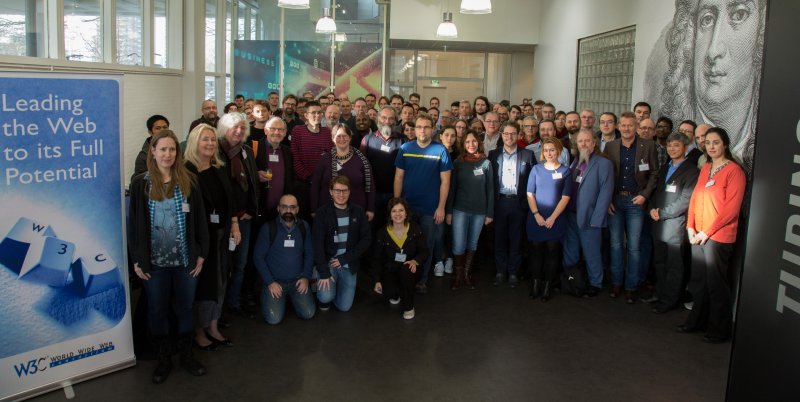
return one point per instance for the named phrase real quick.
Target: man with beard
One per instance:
(290, 117)
(587, 208)
(380, 147)
(480, 107)
(210, 117)
(332, 114)
(572, 123)
(284, 256)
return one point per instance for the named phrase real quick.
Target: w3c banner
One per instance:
(63, 280)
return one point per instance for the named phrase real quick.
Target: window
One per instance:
(211, 36)
(83, 30)
(129, 32)
(17, 17)
(160, 33)
(605, 71)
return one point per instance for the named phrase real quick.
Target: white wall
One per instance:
(563, 22)
(509, 22)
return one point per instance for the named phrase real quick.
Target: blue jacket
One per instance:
(594, 192)
(278, 263)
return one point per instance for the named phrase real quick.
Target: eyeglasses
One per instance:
(423, 127)
(509, 133)
(282, 206)
(289, 104)
(340, 191)
(646, 128)
(278, 129)
(528, 125)
(492, 121)
(606, 121)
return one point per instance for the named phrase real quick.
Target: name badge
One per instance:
(273, 157)
(710, 183)
(244, 154)
(338, 167)
(290, 137)
(671, 188)
(186, 206)
(288, 243)
(400, 257)
(644, 167)
(578, 179)
(214, 218)
(477, 172)
(385, 148)
(336, 238)
(557, 176)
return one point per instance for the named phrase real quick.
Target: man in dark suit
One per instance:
(676, 181)
(588, 208)
(636, 170)
(512, 166)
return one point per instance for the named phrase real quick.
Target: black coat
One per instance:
(262, 163)
(525, 162)
(359, 236)
(672, 206)
(139, 228)
(415, 248)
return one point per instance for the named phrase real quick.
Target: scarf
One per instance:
(177, 196)
(468, 157)
(234, 154)
(335, 158)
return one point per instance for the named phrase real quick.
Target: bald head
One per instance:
(700, 135)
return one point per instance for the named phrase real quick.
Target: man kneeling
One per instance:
(284, 256)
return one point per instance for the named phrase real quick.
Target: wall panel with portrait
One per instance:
(706, 66)
(605, 71)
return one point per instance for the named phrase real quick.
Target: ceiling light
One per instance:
(294, 4)
(447, 29)
(326, 24)
(476, 6)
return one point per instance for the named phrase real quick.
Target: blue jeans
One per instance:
(466, 231)
(431, 231)
(342, 290)
(625, 226)
(170, 286)
(233, 295)
(588, 240)
(274, 309)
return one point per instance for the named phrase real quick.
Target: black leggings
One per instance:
(544, 259)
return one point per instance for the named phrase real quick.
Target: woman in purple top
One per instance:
(549, 189)
(344, 160)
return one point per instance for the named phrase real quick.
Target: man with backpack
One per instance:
(284, 256)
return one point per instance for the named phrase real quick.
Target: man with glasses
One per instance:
(290, 116)
(608, 129)
(511, 167)
(422, 177)
(284, 257)
(309, 142)
(587, 119)
(647, 129)
(342, 234)
(275, 166)
(688, 128)
(492, 133)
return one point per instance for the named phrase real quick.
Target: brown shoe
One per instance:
(616, 290)
(630, 297)
(468, 258)
(458, 267)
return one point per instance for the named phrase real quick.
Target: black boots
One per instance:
(535, 283)
(187, 357)
(546, 292)
(164, 366)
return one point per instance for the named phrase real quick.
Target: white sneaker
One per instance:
(408, 314)
(688, 305)
(438, 269)
(394, 301)
(448, 266)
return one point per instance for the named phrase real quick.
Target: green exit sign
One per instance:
(435, 83)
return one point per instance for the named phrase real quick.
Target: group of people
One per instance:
(288, 203)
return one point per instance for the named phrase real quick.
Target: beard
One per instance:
(584, 155)
(385, 130)
(287, 217)
(573, 130)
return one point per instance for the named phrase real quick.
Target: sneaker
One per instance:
(394, 302)
(513, 281)
(688, 305)
(324, 306)
(498, 279)
(438, 269)
(408, 314)
(448, 266)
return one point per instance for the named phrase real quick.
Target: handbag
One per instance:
(574, 281)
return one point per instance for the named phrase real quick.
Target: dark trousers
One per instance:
(509, 222)
(174, 287)
(545, 259)
(302, 191)
(668, 263)
(400, 283)
(710, 289)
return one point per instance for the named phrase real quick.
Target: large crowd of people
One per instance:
(271, 202)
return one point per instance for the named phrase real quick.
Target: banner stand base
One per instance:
(66, 384)
(69, 393)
